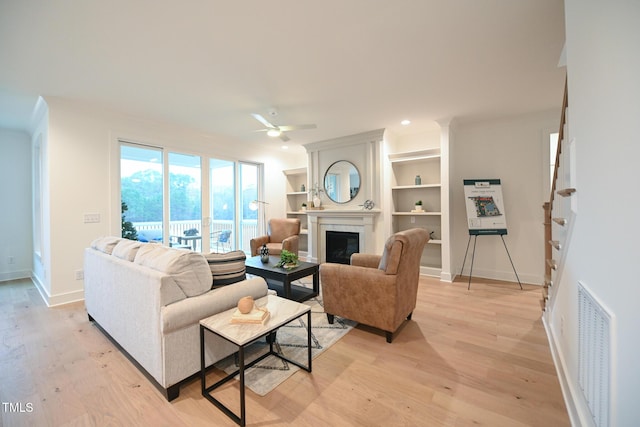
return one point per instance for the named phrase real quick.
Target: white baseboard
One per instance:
(565, 384)
(507, 276)
(15, 275)
(58, 299)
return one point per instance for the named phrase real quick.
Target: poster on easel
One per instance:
(485, 207)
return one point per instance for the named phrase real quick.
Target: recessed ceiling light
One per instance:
(274, 132)
(405, 122)
(285, 147)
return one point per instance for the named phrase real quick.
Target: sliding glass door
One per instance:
(233, 222)
(141, 190)
(249, 192)
(223, 205)
(185, 201)
(148, 173)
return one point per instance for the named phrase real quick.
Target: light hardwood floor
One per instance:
(477, 357)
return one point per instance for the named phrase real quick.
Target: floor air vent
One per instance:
(594, 352)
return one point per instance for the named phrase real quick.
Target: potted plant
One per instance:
(419, 206)
(304, 207)
(288, 259)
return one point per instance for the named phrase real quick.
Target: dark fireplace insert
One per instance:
(340, 245)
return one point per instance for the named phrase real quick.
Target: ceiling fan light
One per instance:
(273, 132)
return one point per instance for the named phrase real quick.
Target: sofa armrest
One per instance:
(191, 310)
(366, 260)
(291, 244)
(256, 243)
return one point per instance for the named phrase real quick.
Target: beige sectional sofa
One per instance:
(149, 299)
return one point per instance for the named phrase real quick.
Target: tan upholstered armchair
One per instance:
(284, 233)
(378, 291)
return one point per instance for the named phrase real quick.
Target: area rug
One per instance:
(291, 341)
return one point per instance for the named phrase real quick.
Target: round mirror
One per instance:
(342, 181)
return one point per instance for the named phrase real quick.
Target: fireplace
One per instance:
(340, 245)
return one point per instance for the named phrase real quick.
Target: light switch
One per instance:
(91, 218)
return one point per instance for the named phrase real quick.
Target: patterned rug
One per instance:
(292, 342)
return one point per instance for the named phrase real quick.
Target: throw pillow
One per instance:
(227, 268)
(105, 244)
(126, 249)
(189, 269)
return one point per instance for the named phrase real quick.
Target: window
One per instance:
(249, 192)
(185, 201)
(141, 189)
(148, 173)
(223, 206)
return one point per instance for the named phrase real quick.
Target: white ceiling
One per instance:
(348, 66)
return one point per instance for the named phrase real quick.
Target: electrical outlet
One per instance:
(79, 274)
(562, 325)
(413, 220)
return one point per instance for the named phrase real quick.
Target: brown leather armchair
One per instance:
(378, 291)
(284, 233)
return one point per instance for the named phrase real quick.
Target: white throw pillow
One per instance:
(105, 244)
(189, 269)
(126, 249)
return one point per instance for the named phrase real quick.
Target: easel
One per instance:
(475, 234)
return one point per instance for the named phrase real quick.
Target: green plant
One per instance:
(128, 230)
(419, 203)
(288, 259)
(304, 205)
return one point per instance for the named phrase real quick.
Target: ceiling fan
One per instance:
(278, 131)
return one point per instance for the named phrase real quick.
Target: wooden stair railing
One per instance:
(550, 243)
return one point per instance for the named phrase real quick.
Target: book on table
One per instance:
(256, 315)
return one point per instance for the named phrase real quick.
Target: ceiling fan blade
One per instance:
(264, 121)
(296, 127)
(284, 137)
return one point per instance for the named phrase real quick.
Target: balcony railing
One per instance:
(153, 231)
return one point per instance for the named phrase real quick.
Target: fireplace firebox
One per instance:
(340, 245)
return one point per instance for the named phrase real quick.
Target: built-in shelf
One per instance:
(417, 213)
(295, 197)
(406, 189)
(415, 156)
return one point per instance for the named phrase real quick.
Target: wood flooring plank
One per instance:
(467, 358)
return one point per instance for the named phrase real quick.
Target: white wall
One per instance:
(603, 65)
(512, 150)
(83, 178)
(15, 196)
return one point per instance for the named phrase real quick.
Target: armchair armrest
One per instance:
(366, 260)
(256, 243)
(291, 244)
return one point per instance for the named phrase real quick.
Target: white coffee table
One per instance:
(282, 311)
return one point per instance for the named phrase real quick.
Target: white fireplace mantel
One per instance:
(351, 220)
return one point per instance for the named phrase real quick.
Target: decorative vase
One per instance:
(264, 254)
(317, 202)
(302, 188)
(418, 180)
(245, 304)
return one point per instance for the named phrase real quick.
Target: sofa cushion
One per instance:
(126, 249)
(105, 244)
(227, 268)
(190, 270)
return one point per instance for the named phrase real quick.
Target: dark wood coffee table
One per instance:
(279, 279)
